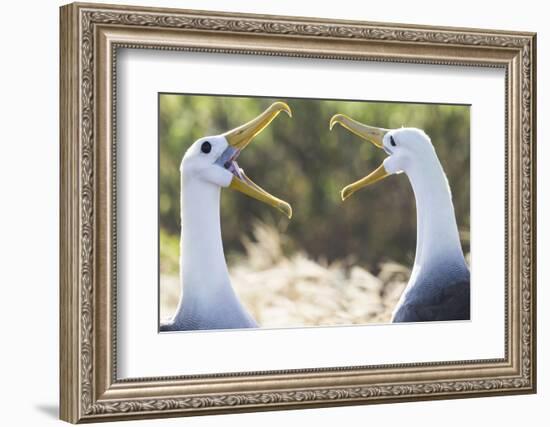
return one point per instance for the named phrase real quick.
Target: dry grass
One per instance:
(281, 291)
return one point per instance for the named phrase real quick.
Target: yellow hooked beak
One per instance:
(373, 135)
(238, 139)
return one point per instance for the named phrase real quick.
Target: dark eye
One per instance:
(392, 141)
(206, 147)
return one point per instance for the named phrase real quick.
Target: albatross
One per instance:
(208, 300)
(439, 286)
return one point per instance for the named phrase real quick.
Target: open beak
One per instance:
(238, 139)
(373, 135)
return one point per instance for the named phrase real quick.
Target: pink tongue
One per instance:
(236, 169)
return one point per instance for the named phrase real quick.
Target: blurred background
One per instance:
(334, 262)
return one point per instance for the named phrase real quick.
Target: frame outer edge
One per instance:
(77, 225)
(533, 205)
(69, 221)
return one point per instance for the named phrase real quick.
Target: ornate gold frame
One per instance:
(90, 36)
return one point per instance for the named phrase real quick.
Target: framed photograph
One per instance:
(265, 212)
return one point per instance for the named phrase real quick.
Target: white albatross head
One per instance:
(213, 159)
(407, 149)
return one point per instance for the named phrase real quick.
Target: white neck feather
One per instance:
(437, 232)
(203, 269)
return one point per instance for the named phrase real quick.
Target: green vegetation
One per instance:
(302, 162)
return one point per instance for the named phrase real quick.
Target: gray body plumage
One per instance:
(437, 294)
(221, 310)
